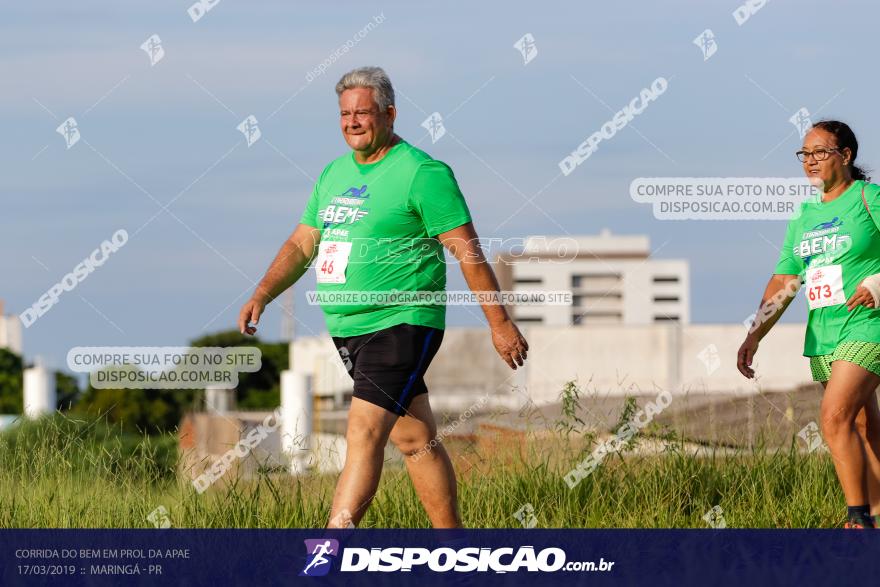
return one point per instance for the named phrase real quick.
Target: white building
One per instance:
(10, 332)
(612, 278)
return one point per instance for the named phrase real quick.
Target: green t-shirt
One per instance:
(823, 237)
(384, 217)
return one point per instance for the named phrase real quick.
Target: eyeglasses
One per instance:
(818, 154)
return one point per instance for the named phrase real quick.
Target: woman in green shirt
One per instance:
(833, 247)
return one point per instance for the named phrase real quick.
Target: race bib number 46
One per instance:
(332, 261)
(825, 286)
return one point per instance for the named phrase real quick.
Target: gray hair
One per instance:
(374, 78)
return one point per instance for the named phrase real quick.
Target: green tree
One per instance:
(160, 410)
(66, 389)
(148, 411)
(11, 384)
(260, 390)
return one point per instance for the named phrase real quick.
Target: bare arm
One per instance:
(288, 266)
(463, 244)
(778, 294)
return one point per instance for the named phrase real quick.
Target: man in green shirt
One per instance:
(376, 224)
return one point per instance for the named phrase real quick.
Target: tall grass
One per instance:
(63, 472)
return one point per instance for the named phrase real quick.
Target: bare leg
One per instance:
(868, 427)
(846, 393)
(366, 437)
(428, 463)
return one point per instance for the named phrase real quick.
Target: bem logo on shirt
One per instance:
(346, 207)
(810, 247)
(341, 214)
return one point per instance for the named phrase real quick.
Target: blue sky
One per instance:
(153, 134)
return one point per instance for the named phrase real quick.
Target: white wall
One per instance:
(317, 356)
(613, 360)
(10, 334)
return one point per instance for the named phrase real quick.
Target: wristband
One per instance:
(872, 284)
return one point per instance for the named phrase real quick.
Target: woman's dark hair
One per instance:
(846, 139)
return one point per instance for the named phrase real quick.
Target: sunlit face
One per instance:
(364, 127)
(831, 170)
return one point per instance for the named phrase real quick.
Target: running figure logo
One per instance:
(527, 47)
(830, 224)
(811, 435)
(354, 192)
(801, 121)
(153, 48)
(710, 358)
(249, 127)
(715, 518)
(317, 561)
(706, 43)
(434, 125)
(70, 131)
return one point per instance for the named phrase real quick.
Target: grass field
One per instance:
(61, 472)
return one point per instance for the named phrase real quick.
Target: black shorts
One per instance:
(388, 366)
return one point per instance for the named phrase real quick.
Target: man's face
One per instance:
(363, 126)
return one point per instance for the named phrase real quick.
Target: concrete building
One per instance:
(612, 278)
(10, 332)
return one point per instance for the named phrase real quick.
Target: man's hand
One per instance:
(464, 245)
(290, 263)
(250, 313)
(509, 343)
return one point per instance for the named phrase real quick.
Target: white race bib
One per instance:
(332, 261)
(825, 286)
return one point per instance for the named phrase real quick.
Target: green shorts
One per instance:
(863, 354)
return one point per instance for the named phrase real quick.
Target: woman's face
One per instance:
(834, 168)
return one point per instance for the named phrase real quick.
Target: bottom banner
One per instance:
(437, 557)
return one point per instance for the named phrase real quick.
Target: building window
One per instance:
(585, 278)
(666, 299)
(597, 318)
(600, 296)
(606, 300)
(529, 319)
(666, 319)
(666, 279)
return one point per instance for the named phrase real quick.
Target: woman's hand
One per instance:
(862, 297)
(745, 355)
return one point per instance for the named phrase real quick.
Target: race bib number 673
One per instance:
(332, 261)
(825, 286)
